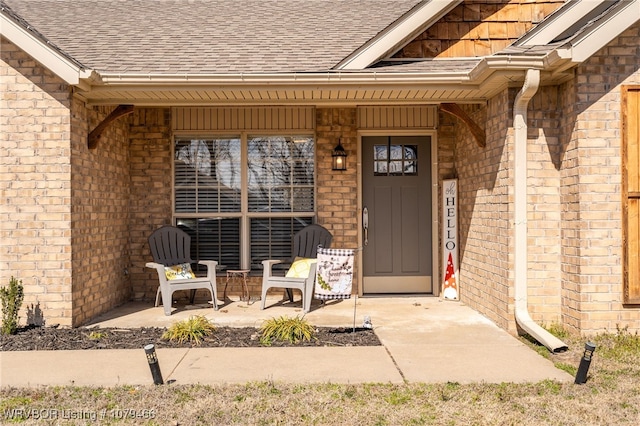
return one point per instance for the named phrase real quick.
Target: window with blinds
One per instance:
(207, 176)
(281, 174)
(242, 198)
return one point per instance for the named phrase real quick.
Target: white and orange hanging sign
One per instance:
(450, 238)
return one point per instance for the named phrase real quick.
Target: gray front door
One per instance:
(397, 225)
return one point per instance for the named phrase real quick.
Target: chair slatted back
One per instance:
(170, 246)
(306, 241)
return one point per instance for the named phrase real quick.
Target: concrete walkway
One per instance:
(424, 339)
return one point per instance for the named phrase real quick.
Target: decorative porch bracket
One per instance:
(476, 131)
(94, 135)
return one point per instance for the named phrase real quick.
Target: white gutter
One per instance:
(473, 77)
(530, 87)
(287, 78)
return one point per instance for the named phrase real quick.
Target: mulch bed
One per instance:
(52, 338)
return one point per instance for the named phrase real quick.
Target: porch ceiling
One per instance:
(302, 95)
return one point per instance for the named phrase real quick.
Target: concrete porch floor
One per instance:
(425, 339)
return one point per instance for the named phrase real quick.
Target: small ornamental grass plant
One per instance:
(285, 329)
(96, 335)
(11, 297)
(191, 330)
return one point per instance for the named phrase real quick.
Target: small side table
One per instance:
(238, 274)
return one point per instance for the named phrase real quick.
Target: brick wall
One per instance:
(574, 212)
(64, 214)
(486, 180)
(35, 212)
(99, 213)
(591, 163)
(151, 168)
(570, 208)
(485, 213)
(544, 209)
(337, 191)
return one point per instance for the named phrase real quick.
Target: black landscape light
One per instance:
(152, 358)
(585, 362)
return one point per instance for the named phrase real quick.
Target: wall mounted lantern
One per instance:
(339, 157)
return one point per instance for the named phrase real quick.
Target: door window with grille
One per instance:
(395, 160)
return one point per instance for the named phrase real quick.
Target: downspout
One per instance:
(530, 87)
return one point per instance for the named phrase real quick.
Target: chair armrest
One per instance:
(153, 265)
(211, 267)
(159, 267)
(312, 271)
(267, 265)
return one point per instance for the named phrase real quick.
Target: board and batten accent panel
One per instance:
(631, 194)
(394, 117)
(245, 119)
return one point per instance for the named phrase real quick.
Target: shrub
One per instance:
(12, 297)
(191, 330)
(286, 329)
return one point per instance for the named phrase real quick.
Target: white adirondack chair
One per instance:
(305, 245)
(171, 246)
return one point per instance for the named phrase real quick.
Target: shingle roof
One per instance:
(168, 52)
(209, 36)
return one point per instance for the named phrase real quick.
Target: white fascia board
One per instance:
(421, 17)
(588, 44)
(558, 22)
(68, 71)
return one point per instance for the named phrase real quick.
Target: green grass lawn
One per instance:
(611, 396)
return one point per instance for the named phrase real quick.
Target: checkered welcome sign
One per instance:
(334, 274)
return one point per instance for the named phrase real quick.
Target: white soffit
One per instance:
(415, 21)
(41, 52)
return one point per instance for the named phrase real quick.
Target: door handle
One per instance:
(365, 225)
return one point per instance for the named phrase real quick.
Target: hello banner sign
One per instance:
(450, 238)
